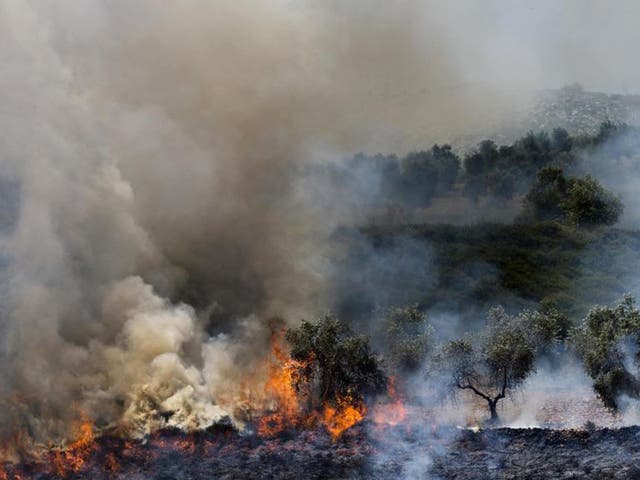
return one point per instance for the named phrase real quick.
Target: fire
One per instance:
(75, 455)
(344, 416)
(280, 390)
(390, 413)
(284, 407)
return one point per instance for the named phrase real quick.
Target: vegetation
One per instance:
(495, 362)
(411, 181)
(549, 327)
(500, 172)
(588, 204)
(519, 265)
(334, 364)
(507, 170)
(555, 253)
(408, 338)
(608, 340)
(560, 257)
(580, 201)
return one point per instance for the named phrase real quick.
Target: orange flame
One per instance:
(390, 413)
(284, 403)
(345, 416)
(74, 456)
(280, 390)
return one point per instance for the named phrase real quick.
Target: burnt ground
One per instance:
(398, 453)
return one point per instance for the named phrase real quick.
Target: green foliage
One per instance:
(424, 173)
(502, 172)
(608, 130)
(561, 141)
(408, 337)
(588, 204)
(580, 201)
(335, 363)
(522, 265)
(547, 195)
(495, 362)
(477, 264)
(550, 325)
(608, 341)
(508, 348)
(547, 329)
(502, 185)
(508, 170)
(483, 160)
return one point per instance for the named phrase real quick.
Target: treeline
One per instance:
(502, 172)
(558, 250)
(492, 362)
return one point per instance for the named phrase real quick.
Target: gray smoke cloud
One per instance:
(156, 162)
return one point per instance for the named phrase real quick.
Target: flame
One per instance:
(73, 458)
(283, 402)
(342, 417)
(391, 413)
(280, 390)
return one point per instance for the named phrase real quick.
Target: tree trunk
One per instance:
(494, 412)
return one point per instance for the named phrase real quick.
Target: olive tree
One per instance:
(547, 327)
(608, 340)
(336, 362)
(492, 363)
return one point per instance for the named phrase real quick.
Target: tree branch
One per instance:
(474, 390)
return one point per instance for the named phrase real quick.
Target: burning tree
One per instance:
(493, 364)
(324, 378)
(608, 340)
(334, 365)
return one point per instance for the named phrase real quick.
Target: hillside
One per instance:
(521, 264)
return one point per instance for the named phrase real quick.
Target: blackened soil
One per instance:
(398, 453)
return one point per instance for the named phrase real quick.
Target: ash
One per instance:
(402, 452)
